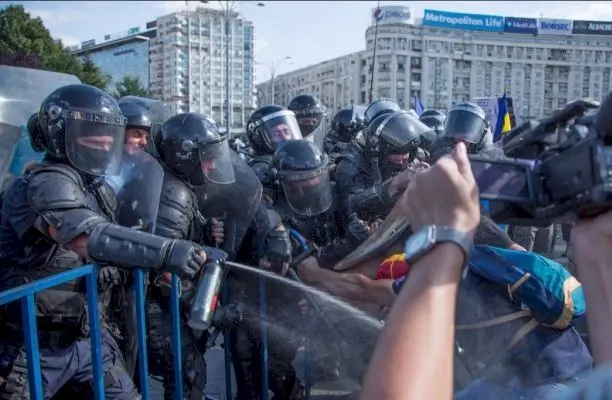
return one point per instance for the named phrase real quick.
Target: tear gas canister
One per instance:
(208, 290)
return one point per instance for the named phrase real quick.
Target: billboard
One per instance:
(391, 15)
(470, 22)
(520, 25)
(549, 26)
(88, 43)
(592, 28)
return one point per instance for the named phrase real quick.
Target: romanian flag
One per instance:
(393, 267)
(503, 119)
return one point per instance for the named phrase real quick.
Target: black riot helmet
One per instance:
(143, 115)
(84, 125)
(344, 124)
(309, 112)
(302, 171)
(270, 125)
(380, 107)
(435, 120)
(191, 147)
(467, 122)
(394, 139)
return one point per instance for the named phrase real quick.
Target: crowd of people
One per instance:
(468, 312)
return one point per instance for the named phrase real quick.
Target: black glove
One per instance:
(357, 230)
(228, 316)
(184, 258)
(109, 277)
(279, 249)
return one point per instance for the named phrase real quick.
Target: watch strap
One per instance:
(451, 235)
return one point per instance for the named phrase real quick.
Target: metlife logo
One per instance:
(547, 26)
(472, 22)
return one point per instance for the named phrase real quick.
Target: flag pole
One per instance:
(374, 54)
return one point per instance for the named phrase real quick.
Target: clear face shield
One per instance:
(94, 142)
(216, 163)
(462, 125)
(308, 193)
(279, 127)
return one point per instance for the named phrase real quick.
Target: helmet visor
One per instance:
(94, 142)
(464, 125)
(379, 106)
(216, 163)
(279, 127)
(308, 193)
(402, 131)
(309, 123)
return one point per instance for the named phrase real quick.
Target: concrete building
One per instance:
(121, 54)
(449, 57)
(187, 64)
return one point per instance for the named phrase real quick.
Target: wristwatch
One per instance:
(425, 239)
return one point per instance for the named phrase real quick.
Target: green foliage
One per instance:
(130, 86)
(91, 75)
(21, 34)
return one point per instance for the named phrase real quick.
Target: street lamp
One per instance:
(273, 68)
(228, 8)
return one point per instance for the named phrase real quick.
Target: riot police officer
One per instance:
(267, 127)
(61, 215)
(144, 119)
(465, 122)
(365, 172)
(309, 204)
(344, 128)
(435, 120)
(193, 153)
(310, 114)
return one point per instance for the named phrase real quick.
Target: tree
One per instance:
(130, 86)
(25, 36)
(91, 75)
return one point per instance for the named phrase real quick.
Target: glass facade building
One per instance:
(120, 56)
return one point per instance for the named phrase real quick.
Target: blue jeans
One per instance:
(483, 389)
(68, 368)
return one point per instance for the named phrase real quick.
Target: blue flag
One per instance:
(418, 106)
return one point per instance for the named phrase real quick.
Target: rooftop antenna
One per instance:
(374, 53)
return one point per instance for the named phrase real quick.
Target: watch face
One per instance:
(418, 242)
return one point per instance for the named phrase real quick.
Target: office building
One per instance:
(120, 55)
(187, 64)
(444, 58)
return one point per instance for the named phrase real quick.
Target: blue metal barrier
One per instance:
(263, 316)
(26, 294)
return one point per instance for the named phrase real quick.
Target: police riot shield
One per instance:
(234, 203)
(21, 92)
(138, 189)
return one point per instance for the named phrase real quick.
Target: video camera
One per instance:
(562, 169)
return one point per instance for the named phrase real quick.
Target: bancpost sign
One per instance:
(592, 28)
(548, 26)
(520, 25)
(391, 15)
(470, 22)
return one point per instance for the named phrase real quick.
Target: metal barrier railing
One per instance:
(26, 294)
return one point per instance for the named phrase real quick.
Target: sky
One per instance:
(307, 31)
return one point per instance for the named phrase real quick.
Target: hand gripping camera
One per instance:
(562, 168)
